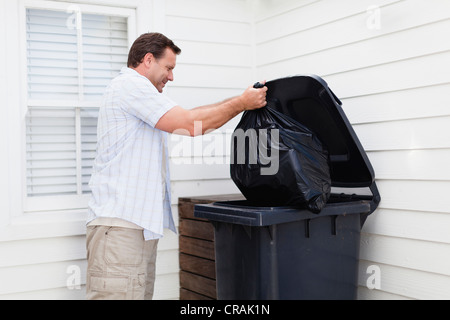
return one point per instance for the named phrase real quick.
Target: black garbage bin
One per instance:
(290, 253)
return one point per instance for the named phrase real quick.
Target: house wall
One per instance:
(215, 64)
(388, 63)
(392, 75)
(42, 255)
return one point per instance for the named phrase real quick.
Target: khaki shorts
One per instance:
(121, 264)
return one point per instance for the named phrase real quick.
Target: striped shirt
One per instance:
(130, 179)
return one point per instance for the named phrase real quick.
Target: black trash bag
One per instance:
(276, 161)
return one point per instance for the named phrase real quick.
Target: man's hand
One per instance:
(254, 98)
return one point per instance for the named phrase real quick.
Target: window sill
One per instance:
(45, 225)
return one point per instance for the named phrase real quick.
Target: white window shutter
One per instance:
(52, 56)
(105, 52)
(88, 145)
(51, 152)
(68, 70)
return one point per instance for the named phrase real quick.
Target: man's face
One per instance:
(161, 70)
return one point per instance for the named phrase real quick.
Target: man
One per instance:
(130, 203)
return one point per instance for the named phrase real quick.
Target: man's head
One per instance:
(153, 55)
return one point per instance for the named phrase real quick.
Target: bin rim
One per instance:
(232, 212)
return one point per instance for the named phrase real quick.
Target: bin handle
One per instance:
(376, 198)
(258, 85)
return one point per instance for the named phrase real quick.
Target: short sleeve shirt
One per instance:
(130, 178)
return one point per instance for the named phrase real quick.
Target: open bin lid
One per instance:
(308, 100)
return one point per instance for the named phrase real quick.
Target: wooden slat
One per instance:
(200, 266)
(196, 247)
(191, 295)
(186, 205)
(185, 209)
(196, 283)
(197, 229)
(213, 198)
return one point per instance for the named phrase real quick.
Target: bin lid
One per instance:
(309, 100)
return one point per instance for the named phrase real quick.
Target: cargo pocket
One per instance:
(107, 288)
(139, 287)
(124, 246)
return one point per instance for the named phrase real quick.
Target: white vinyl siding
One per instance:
(71, 58)
(215, 64)
(387, 61)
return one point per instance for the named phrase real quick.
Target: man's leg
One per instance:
(118, 260)
(150, 249)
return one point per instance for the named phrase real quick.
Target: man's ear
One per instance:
(148, 58)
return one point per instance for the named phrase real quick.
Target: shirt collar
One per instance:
(126, 70)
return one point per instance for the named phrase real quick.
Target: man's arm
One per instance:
(182, 121)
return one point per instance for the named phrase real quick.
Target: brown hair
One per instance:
(154, 43)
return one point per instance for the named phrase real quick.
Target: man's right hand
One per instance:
(254, 98)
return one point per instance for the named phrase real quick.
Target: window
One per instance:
(72, 52)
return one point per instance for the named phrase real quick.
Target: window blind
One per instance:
(88, 145)
(105, 51)
(68, 69)
(52, 56)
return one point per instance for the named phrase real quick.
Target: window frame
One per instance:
(58, 202)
